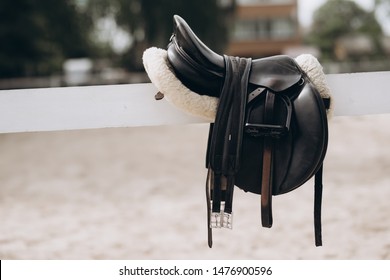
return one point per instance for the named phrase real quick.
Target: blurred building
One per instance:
(264, 28)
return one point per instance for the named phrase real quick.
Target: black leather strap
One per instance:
(317, 206)
(209, 179)
(229, 122)
(225, 138)
(225, 144)
(266, 184)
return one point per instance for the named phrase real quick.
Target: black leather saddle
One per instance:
(270, 134)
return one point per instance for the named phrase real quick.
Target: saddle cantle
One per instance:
(270, 132)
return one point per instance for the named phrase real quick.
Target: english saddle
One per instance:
(270, 132)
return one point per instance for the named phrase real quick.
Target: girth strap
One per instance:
(230, 117)
(267, 174)
(224, 147)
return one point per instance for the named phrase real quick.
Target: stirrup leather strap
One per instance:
(266, 184)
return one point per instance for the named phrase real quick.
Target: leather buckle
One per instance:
(215, 220)
(227, 220)
(221, 219)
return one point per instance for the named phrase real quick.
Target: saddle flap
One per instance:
(298, 153)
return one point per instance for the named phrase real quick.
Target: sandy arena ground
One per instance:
(138, 193)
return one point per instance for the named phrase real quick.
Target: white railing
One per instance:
(89, 107)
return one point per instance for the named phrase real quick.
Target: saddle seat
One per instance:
(203, 70)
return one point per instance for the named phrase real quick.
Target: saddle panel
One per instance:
(202, 70)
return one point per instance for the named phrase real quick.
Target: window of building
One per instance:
(264, 28)
(245, 30)
(282, 28)
(257, 2)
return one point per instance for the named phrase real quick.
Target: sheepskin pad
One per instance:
(161, 74)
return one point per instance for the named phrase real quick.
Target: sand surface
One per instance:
(138, 193)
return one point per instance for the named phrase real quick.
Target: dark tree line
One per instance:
(36, 36)
(150, 21)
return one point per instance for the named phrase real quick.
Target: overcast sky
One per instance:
(307, 7)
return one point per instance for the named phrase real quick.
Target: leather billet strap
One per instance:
(317, 206)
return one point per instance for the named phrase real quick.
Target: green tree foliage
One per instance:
(339, 18)
(37, 35)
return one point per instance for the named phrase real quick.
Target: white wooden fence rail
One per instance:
(68, 108)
